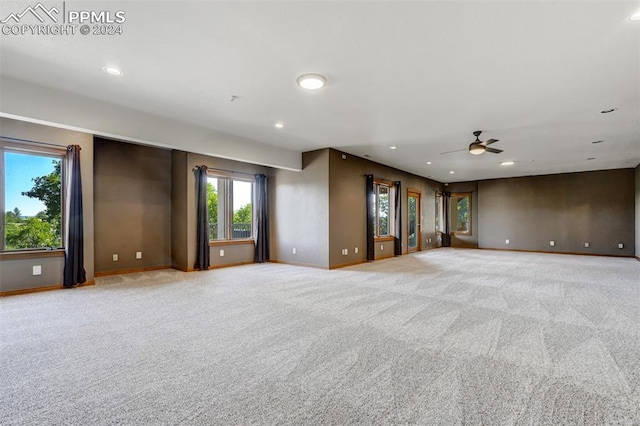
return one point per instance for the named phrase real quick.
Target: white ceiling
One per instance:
(421, 76)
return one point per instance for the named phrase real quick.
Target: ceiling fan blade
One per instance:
(457, 150)
(493, 150)
(490, 141)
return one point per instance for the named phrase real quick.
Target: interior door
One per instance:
(414, 234)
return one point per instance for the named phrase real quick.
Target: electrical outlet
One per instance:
(115, 257)
(355, 250)
(37, 270)
(552, 243)
(221, 253)
(506, 241)
(620, 245)
(381, 247)
(293, 250)
(586, 245)
(345, 252)
(138, 255)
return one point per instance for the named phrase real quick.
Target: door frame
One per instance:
(418, 194)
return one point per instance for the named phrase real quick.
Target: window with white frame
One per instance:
(230, 204)
(31, 201)
(383, 197)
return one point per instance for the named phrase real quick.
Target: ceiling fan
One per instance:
(478, 147)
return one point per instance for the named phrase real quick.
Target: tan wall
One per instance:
(233, 254)
(571, 209)
(465, 240)
(17, 274)
(347, 207)
(132, 198)
(299, 212)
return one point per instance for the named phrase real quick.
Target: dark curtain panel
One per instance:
(261, 253)
(202, 224)
(371, 255)
(446, 204)
(74, 272)
(397, 240)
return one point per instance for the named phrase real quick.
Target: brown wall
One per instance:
(466, 240)
(179, 243)
(132, 187)
(638, 211)
(17, 274)
(571, 209)
(347, 207)
(299, 212)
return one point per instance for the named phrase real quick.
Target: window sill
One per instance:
(215, 243)
(34, 254)
(378, 239)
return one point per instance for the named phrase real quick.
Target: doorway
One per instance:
(414, 234)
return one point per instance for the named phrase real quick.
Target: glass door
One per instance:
(413, 233)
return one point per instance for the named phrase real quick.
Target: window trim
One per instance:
(468, 232)
(36, 149)
(440, 213)
(377, 183)
(228, 179)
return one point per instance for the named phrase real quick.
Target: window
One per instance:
(461, 213)
(31, 199)
(230, 203)
(383, 221)
(439, 213)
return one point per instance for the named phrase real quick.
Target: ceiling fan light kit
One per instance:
(476, 148)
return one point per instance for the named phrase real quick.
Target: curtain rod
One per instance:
(225, 170)
(29, 141)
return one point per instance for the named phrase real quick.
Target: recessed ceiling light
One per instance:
(635, 17)
(312, 81)
(428, 162)
(507, 163)
(279, 125)
(607, 111)
(597, 141)
(451, 172)
(392, 147)
(113, 71)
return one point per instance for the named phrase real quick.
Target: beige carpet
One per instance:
(440, 337)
